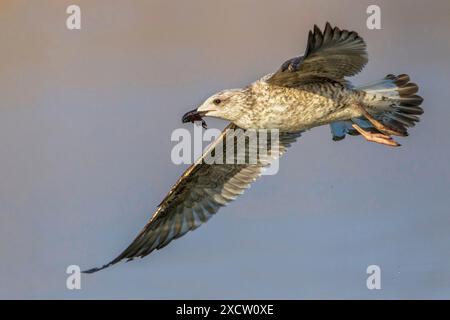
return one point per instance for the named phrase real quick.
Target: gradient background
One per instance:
(85, 124)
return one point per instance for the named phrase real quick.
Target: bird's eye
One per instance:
(217, 101)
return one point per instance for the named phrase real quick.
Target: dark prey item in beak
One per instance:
(193, 116)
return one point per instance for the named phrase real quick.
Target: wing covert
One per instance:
(332, 54)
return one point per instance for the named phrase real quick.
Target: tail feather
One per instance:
(392, 100)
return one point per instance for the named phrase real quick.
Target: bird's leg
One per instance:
(376, 137)
(377, 124)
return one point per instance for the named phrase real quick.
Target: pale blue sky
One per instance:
(85, 124)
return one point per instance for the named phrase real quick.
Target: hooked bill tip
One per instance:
(192, 116)
(188, 116)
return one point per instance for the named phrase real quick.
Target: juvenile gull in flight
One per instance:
(306, 92)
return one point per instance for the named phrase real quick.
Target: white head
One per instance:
(226, 104)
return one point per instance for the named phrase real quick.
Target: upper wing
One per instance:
(333, 54)
(201, 191)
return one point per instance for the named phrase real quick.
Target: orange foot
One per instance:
(376, 137)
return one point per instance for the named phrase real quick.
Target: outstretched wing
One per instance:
(203, 189)
(332, 54)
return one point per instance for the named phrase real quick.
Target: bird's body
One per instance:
(306, 92)
(291, 109)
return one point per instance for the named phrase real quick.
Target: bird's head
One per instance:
(226, 104)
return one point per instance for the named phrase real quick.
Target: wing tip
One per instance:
(96, 269)
(109, 264)
(317, 29)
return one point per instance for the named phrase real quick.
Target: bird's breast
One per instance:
(300, 108)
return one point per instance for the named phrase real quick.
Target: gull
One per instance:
(305, 92)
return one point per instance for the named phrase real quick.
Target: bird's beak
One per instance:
(199, 113)
(193, 115)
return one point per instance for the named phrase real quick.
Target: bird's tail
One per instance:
(393, 101)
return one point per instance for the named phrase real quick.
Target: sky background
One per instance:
(85, 124)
